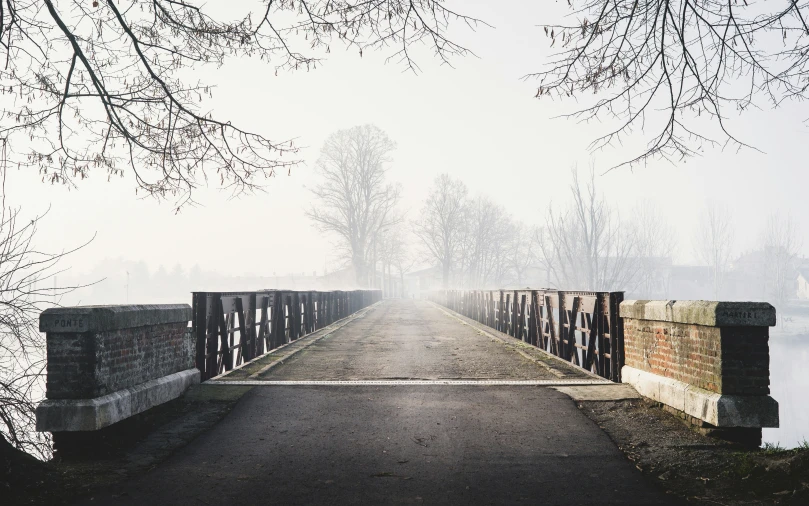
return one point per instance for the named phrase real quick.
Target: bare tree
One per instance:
(781, 244)
(697, 62)
(395, 253)
(487, 231)
(521, 252)
(713, 243)
(656, 240)
(102, 86)
(440, 225)
(26, 288)
(586, 246)
(353, 200)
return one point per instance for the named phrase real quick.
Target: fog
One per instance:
(477, 122)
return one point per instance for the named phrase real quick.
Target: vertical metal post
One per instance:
(198, 328)
(562, 334)
(616, 336)
(532, 319)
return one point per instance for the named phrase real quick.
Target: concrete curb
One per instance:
(599, 393)
(70, 415)
(719, 410)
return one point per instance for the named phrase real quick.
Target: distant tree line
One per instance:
(475, 241)
(581, 243)
(584, 245)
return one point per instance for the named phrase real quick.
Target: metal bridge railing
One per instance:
(232, 328)
(583, 328)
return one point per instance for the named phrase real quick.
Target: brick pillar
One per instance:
(108, 363)
(706, 360)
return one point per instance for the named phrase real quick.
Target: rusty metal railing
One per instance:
(583, 328)
(232, 328)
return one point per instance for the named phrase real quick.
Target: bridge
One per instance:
(468, 397)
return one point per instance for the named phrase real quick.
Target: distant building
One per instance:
(420, 282)
(803, 284)
(746, 278)
(340, 279)
(655, 278)
(690, 282)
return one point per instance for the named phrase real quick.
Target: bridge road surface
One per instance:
(397, 444)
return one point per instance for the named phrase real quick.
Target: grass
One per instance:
(747, 462)
(773, 448)
(745, 465)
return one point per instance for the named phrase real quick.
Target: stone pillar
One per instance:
(108, 363)
(708, 361)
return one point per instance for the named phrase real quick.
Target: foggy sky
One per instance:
(478, 122)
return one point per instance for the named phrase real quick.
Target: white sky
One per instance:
(478, 122)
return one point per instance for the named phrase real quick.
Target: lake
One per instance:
(789, 385)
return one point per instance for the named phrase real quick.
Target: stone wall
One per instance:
(86, 365)
(709, 360)
(106, 363)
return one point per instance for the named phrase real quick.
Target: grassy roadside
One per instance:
(697, 468)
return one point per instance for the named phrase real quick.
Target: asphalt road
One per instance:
(410, 339)
(404, 444)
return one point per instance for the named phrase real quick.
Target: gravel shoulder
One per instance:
(698, 468)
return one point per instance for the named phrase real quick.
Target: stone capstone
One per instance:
(701, 312)
(104, 318)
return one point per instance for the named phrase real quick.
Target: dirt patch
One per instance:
(132, 448)
(698, 468)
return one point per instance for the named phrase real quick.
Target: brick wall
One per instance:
(88, 365)
(71, 365)
(106, 349)
(727, 360)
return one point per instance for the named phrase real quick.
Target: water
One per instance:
(789, 385)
